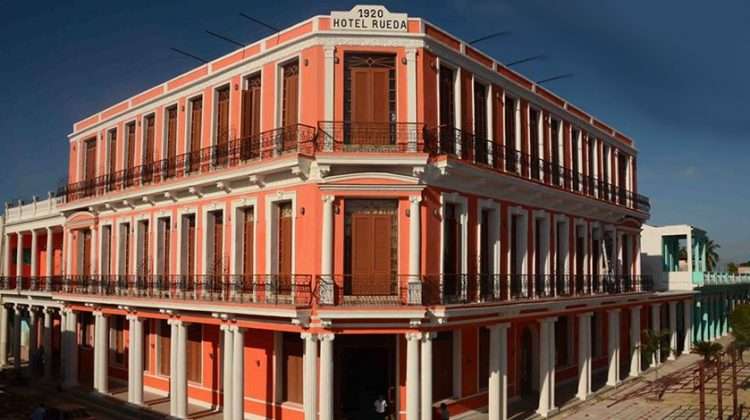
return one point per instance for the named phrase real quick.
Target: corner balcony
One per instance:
(293, 139)
(336, 290)
(466, 147)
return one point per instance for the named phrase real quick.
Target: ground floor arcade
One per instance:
(211, 362)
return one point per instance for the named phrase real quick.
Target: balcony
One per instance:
(349, 136)
(337, 290)
(464, 146)
(292, 139)
(719, 279)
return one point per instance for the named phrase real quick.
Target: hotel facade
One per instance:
(360, 205)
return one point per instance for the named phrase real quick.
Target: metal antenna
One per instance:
(261, 23)
(526, 60)
(490, 36)
(187, 54)
(549, 79)
(225, 38)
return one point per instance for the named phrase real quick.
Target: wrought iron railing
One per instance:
(297, 138)
(349, 136)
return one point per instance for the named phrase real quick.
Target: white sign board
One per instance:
(369, 18)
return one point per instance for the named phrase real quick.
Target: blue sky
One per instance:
(671, 74)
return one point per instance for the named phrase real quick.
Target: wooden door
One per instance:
(370, 108)
(222, 126)
(480, 123)
(194, 352)
(292, 368)
(291, 93)
(125, 231)
(371, 254)
(145, 262)
(190, 251)
(112, 162)
(196, 125)
(171, 152)
(218, 251)
(250, 146)
(451, 250)
(90, 160)
(284, 235)
(148, 139)
(166, 234)
(87, 264)
(165, 351)
(130, 158)
(248, 241)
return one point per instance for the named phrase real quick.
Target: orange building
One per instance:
(359, 205)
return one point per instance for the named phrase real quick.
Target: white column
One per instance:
(6, 256)
(584, 355)
(173, 387)
(426, 375)
(131, 359)
(48, 258)
(227, 371)
(34, 254)
(412, 375)
(71, 333)
(635, 340)
(48, 312)
(326, 258)
(672, 329)
(138, 368)
(310, 376)
(656, 326)
(33, 327)
(17, 337)
(411, 83)
(19, 259)
(414, 237)
(688, 314)
(3, 335)
(546, 366)
(613, 338)
(238, 372)
(326, 376)
(498, 380)
(101, 349)
(181, 367)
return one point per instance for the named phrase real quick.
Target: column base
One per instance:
(547, 413)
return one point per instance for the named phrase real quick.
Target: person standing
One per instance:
(444, 414)
(381, 407)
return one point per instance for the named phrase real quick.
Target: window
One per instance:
(511, 159)
(125, 248)
(248, 241)
(555, 146)
(216, 243)
(144, 257)
(534, 142)
(290, 93)
(484, 357)
(284, 238)
(129, 158)
(292, 368)
(106, 249)
(480, 123)
(194, 352)
(251, 106)
(119, 339)
(163, 245)
(574, 151)
(188, 245)
(562, 338)
(451, 250)
(112, 150)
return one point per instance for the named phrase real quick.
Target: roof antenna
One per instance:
(490, 36)
(259, 22)
(526, 60)
(549, 79)
(225, 38)
(187, 54)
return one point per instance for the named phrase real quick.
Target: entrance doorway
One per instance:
(526, 372)
(366, 369)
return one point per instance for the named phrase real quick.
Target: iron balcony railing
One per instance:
(350, 136)
(463, 145)
(337, 289)
(297, 138)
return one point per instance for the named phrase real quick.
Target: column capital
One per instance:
(415, 199)
(174, 321)
(328, 198)
(656, 305)
(548, 320)
(636, 308)
(501, 326)
(428, 336)
(236, 328)
(326, 337)
(613, 310)
(413, 336)
(329, 51)
(309, 336)
(585, 315)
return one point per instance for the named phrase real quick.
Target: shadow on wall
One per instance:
(652, 265)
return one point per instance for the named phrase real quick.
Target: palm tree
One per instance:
(653, 344)
(708, 349)
(712, 254)
(739, 321)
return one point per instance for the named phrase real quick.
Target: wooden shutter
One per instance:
(480, 112)
(146, 260)
(284, 236)
(196, 124)
(148, 140)
(484, 356)
(222, 116)
(248, 242)
(291, 92)
(90, 160)
(194, 352)
(119, 339)
(251, 107)
(126, 244)
(292, 368)
(164, 347)
(130, 138)
(372, 252)
(218, 243)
